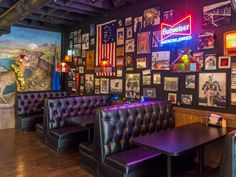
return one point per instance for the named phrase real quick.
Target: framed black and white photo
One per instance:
(132, 86)
(120, 37)
(89, 83)
(128, 21)
(129, 32)
(104, 85)
(186, 99)
(85, 41)
(116, 85)
(138, 24)
(161, 60)
(156, 78)
(97, 86)
(171, 84)
(81, 69)
(172, 97)
(210, 62)
(190, 81)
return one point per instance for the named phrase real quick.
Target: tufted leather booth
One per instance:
(29, 107)
(57, 110)
(117, 125)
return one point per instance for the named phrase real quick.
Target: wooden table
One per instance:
(180, 140)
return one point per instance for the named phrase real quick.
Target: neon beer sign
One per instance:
(180, 31)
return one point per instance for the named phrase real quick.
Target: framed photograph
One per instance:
(80, 61)
(171, 84)
(104, 86)
(168, 15)
(81, 69)
(119, 71)
(206, 40)
(216, 15)
(233, 98)
(233, 81)
(116, 85)
(85, 41)
(129, 45)
(161, 60)
(92, 41)
(120, 36)
(77, 50)
(186, 99)
(141, 63)
(149, 93)
(129, 32)
(90, 60)
(89, 83)
(143, 43)
(199, 56)
(190, 81)
(151, 17)
(156, 39)
(138, 24)
(97, 86)
(128, 21)
(210, 62)
(129, 62)
(83, 53)
(156, 78)
(120, 61)
(147, 80)
(233, 67)
(81, 89)
(224, 62)
(120, 22)
(172, 97)
(212, 89)
(132, 86)
(120, 51)
(92, 30)
(81, 79)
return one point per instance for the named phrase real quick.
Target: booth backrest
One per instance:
(33, 102)
(117, 125)
(59, 109)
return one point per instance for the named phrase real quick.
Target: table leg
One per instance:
(201, 159)
(169, 166)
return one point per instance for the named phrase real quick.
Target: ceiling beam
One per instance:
(105, 4)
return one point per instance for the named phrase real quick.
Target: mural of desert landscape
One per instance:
(117, 88)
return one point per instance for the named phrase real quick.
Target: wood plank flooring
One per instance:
(21, 155)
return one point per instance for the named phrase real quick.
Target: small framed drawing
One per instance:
(156, 78)
(147, 80)
(104, 86)
(171, 84)
(149, 92)
(172, 97)
(224, 62)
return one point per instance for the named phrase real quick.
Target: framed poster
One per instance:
(119, 71)
(172, 97)
(190, 81)
(138, 24)
(81, 69)
(206, 40)
(210, 62)
(120, 61)
(104, 86)
(147, 80)
(224, 62)
(129, 60)
(143, 43)
(186, 99)
(233, 98)
(151, 17)
(199, 56)
(156, 78)
(90, 60)
(89, 83)
(141, 63)
(120, 36)
(97, 86)
(149, 93)
(132, 86)
(129, 32)
(212, 89)
(120, 51)
(161, 60)
(116, 85)
(85, 41)
(92, 30)
(156, 39)
(230, 43)
(171, 84)
(168, 15)
(128, 21)
(129, 45)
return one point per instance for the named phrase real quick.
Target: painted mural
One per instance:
(26, 61)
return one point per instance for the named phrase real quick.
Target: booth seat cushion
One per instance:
(131, 160)
(27, 122)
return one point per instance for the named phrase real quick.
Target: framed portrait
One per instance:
(128, 21)
(129, 62)
(138, 24)
(233, 98)
(156, 39)
(129, 45)
(81, 69)
(97, 86)
(104, 86)
(119, 71)
(210, 62)
(81, 79)
(90, 60)
(186, 99)
(199, 56)
(161, 60)
(143, 43)
(151, 17)
(89, 83)
(132, 85)
(190, 81)
(168, 15)
(172, 97)
(206, 40)
(212, 90)
(224, 62)
(120, 61)
(129, 32)
(171, 84)
(141, 63)
(149, 93)
(156, 78)
(147, 80)
(85, 41)
(120, 51)
(120, 36)
(116, 85)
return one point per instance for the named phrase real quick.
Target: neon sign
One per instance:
(180, 31)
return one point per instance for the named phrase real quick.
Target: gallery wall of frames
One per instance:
(182, 51)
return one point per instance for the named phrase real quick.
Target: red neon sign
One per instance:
(181, 28)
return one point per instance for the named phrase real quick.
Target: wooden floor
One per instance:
(21, 155)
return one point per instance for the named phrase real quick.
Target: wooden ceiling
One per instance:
(57, 14)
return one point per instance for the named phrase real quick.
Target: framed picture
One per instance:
(90, 60)
(132, 86)
(138, 24)
(233, 67)
(80, 61)
(129, 45)
(92, 30)
(229, 42)
(83, 53)
(143, 43)
(156, 78)
(172, 97)
(224, 62)
(233, 98)
(120, 22)
(120, 36)
(151, 17)
(120, 61)
(119, 71)
(116, 85)
(199, 56)
(128, 21)
(85, 41)
(168, 15)
(212, 89)
(81, 79)
(233, 81)
(129, 62)
(171, 84)
(206, 40)
(149, 93)
(190, 81)
(97, 86)
(216, 15)
(156, 39)
(147, 80)
(141, 63)
(120, 51)
(129, 32)
(104, 86)
(77, 50)
(161, 60)
(210, 62)
(186, 99)
(81, 69)
(89, 83)
(92, 41)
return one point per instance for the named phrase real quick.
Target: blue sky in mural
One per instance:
(39, 37)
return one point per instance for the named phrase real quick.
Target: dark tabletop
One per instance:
(179, 140)
(82, 121)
